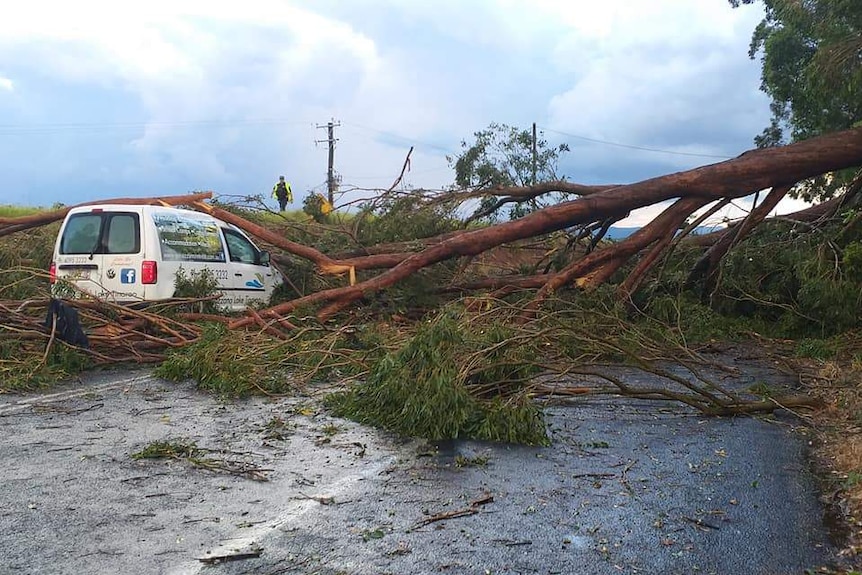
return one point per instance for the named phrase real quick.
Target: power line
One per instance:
(24, 129)
(12, 129)
(632, 147)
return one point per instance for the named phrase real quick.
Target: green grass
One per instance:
(7, 211)
(24, 366)
(821, 349)
(478, 461)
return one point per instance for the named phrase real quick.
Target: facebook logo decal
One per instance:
(127, 275)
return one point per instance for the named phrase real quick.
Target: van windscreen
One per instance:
(184, 238)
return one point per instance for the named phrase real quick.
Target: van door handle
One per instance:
(238, 275)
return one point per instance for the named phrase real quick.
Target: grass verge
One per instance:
(838, 449)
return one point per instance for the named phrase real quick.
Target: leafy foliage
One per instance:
(852, 262)
(812, 69)
(425, 388)
(169, 449)
(783, 281)
(407, 217)
(197, 284)
(821, 349)
(698, 322)
(403, 217)
(19, 371)
(236, 363)
(812, 65)
(21, 255)
(228, 364)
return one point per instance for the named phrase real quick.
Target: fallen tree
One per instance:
(776, 169)
(12, 225)
(147, 336)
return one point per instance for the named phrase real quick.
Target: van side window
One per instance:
(239, 248)
(184, 238)
(81, 235)
(123, 236)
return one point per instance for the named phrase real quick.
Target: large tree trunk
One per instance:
(752, 171)
(12, 225)
(773, 168)
(708, 265)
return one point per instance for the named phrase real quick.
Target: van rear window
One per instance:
(188, 239)
(101, 233)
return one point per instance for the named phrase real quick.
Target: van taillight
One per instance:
(52, 272)
(149, 272)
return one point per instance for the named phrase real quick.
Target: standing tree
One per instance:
(502, 156)
(812, 69)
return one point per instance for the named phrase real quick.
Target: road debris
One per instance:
(221, 556)
(473, 509)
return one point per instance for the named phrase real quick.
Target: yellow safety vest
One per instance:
(286, 189)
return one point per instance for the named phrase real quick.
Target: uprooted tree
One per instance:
(534, 328)
(474, 371)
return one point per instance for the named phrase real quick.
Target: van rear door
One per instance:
(100, 251)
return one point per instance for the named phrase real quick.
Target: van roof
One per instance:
(140, 209)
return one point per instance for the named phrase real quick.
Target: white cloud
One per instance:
(178, 48)
(622, 22)
(6, 84)
(639, 68)
(263, 74)
(194, 60)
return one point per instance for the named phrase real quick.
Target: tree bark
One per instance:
(595, 268)
(708, 265)
(12, 225)
(752, 171)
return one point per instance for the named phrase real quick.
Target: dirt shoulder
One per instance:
(837, 441)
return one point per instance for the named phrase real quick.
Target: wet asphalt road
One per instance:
(627, 487)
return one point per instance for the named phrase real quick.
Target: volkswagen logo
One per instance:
(111, 274)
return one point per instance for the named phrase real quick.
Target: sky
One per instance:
(106, 99)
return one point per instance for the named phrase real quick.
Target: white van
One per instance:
(127, 253)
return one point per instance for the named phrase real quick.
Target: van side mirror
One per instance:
(264, 258)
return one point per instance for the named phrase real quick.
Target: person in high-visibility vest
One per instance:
(282, 192)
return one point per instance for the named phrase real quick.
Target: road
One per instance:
(626, 487)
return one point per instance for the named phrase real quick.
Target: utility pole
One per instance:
(534, 153)
(331, 182)
(533, 204)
